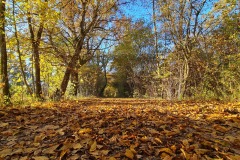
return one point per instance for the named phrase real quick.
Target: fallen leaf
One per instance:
(221, 128)
(201, 151)
(39, 138)
(129, 154)
(50, 150)
(101, 131)
(144, 139)
(62, 154)
(93, 146)
(105, 152)
(40, 158)
(24, 158)
(29, 150)
(85, 130)
(234, 157)
(4, 124)
(157, 140)
(166, 150)
(77, 146)
(74, 157)
(5, 152)
(185, 154)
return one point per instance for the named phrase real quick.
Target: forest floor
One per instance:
(110, 129)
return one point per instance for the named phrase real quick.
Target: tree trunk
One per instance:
(75, 82)
(19, 52)
(101, 93)
(4, 72)
(67, 74)
(37, 72)
(35, 48)
(71, 65)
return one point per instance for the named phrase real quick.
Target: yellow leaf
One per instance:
(185, 143)
(93, 146)
(129, 154)
(144, 139)
(132, 148)
(201, 151)
(77, 146)
(166, 150)
(234, 157)
(105, 152)
(39, 138)
(221, 128)
(4, 124)
(157, 140)
(5, 152)
(50, 150)
(112, 158)
(63, 152)
(85, 130)
(186, 155)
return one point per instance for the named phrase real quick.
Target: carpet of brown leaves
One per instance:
(110, 129)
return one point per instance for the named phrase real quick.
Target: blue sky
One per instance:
(139, 10)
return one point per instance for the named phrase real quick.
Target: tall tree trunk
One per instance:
(101, 92)
(75, 82)
(35, 48)
(37, 72)
(4, 72)
(67, 74)
(19, 52)
(71, 65)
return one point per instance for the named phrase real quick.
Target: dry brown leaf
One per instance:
(221, 128)
(39, 138)
(5, 152)
(129, 154)
(201, 151)
(93, 147)
(101, 131)
(24, 158)
(74, 157)
(40, 158)
(185, 154)
(185, 143)
(50, 150)
(234, 157)
(3, 124)
(105, 152)
(166, 150)
(157, 140)
(62, 154)
(194, 157)
(144, 139)
(77, 146)
(29, 150)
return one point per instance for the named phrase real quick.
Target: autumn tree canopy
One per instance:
(178, 50)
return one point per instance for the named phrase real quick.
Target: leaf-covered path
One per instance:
(121, 129)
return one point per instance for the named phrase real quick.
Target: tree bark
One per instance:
(67, 74)
(35, 48)
(19, 52)
(75, 82)
(4, 71)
